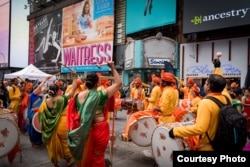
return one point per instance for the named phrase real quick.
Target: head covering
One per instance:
(195, 88)
(156, 79)
(79, 82)
(103, 81)
(59, 83)
(138, 81)
(190, 81)
(28, 85)
(167, 76)
(234, 85)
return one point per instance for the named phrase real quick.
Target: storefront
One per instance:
(146, 57)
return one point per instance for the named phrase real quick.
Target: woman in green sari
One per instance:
(89, 141)
(53, 117)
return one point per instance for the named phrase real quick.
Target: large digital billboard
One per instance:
(19, 35)
(4, 32)
(142, 15)
(87, 35)
(209, 15)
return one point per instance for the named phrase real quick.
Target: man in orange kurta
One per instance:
(168, 98)
(137, 93)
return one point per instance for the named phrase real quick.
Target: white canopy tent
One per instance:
(30, 72)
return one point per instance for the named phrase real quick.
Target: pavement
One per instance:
(125, 154)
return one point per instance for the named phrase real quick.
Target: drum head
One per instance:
(8, 136)
(163, 146)
(188, 117)
(36, 122)
(141, 131)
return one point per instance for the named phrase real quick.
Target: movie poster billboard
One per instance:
(87, 35)
(47, 47)
(4, 33)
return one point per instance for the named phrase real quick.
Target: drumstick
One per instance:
(106, 77)
(100, 65)
(70, 69)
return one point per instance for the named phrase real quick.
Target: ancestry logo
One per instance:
(241, 13)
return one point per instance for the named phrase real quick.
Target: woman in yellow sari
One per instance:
(53, 116)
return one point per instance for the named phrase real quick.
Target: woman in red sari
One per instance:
(89, 141)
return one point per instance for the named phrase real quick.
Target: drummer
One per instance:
(187, 88)
(153, 102)
(206, 116)
(136, 91)
(168, 99)
(196, 98)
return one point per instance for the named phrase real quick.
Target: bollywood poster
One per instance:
(47, 47)
(87, 35)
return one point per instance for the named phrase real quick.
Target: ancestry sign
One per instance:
(209, 15)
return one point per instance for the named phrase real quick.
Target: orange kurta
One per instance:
(167, 104)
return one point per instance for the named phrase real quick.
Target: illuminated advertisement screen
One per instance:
(87, 35)
(4, 32)
(19, 35)
(142, 15)
(209, 15)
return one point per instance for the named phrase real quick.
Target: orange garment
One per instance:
(78, 89)
(24, 105)
(167, 104)
(154, 97)
(135, 116)
(206, 121)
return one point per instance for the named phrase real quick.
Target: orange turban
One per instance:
(103, 81)
(167, 76)
(138, 81)
(195, 88)
(190, 81)
(234, 85)
(28, 85)
(59, 83)
(79, 82)
(156, 79)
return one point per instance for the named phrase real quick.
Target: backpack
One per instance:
(231, 134)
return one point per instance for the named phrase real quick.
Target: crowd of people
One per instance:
(85, 144)
(51, 102)
(163, 104)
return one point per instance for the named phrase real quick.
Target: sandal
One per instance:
(70, 162)
(125, 138)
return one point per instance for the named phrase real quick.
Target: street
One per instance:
(125, 154)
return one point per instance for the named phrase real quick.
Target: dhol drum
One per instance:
(141, 131)
(188, 117)
(132, 104)
(163, 146)
(36, 122)
(179, 113)
(8, 136)
(184, 104)
(8, 114)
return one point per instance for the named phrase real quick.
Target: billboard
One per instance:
(209, 15)
(45, 42)
(142, 15)
(87, 35)
(4, 32)
(19, 35)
